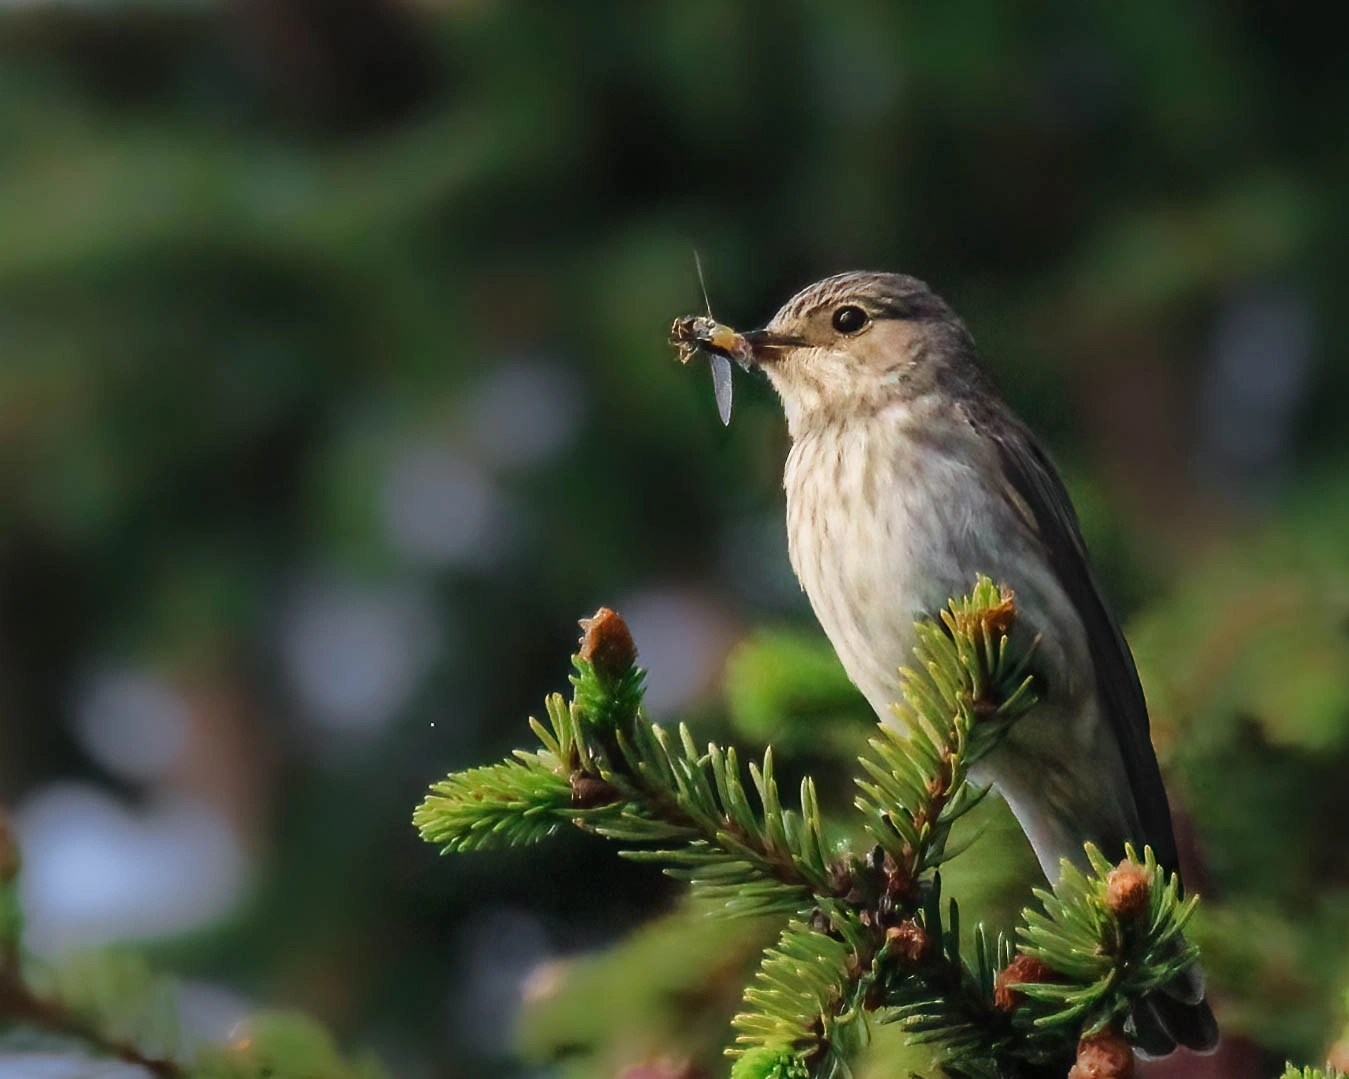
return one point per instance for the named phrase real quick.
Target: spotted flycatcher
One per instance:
(908, 476)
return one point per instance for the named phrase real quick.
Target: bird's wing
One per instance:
(1040, 497)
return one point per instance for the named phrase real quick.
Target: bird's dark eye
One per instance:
(849, 319)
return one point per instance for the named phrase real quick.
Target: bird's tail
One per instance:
(1176, 1015)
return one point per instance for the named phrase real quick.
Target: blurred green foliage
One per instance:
(773, 674)
(669, 991)
(249, 253)
(1246, 666)
(283, 1047)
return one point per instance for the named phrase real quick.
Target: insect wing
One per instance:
(721, 385)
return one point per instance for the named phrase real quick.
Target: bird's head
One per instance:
(858, 342)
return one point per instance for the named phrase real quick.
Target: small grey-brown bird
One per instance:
(907, 476)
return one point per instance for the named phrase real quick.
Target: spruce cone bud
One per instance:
(607, 645)
(907, 941)
(9, 851)
(1128, 888)
(1103, 1056)
(998, 620)
(1338, 1057)
(1022, 969)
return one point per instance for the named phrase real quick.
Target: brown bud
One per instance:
(898, 881)
(1128, 887)
(907, 941)
(9, 851)
(998, 621)
(587, 792)
(1103, 1056)
(1338, 1057)
(606, 643)
(1022, 969)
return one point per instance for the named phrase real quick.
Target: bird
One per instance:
(907, 476)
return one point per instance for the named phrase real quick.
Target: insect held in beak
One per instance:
(703, 333)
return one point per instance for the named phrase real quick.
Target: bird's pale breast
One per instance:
(887, 519)
(885, 526)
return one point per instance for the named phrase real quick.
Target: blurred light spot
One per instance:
(354, 654)
(441, 509)
(499, 949)
(1262, 356)
(65, 1065)
(524, 412)
(209, 1012)
(682, 639)
(131, 723)
(95, 872)
(546, 980)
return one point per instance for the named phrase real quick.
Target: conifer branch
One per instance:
(955, 708)
(870, 938)
(114, 1006)
(112, 1003)
(609, 770)
(511, 804)
(603, 765)
(1109, 955)
(806, 996)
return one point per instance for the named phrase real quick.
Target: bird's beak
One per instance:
(767, 346)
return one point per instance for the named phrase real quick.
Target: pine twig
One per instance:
(21, 1004)
(869, 937)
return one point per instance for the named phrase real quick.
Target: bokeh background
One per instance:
(334, 388)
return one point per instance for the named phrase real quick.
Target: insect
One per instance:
(702, 333)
